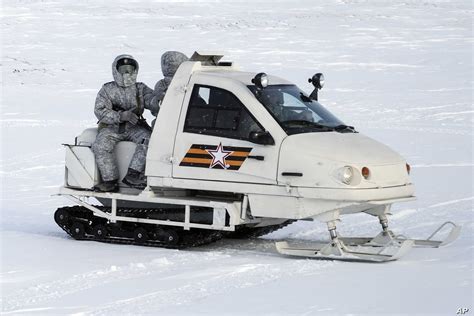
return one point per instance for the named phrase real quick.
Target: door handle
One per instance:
(261, 158)
(292, 174)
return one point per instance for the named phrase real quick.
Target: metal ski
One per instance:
(429, 242)
(337, 250)
(387, 237)
(386, 246)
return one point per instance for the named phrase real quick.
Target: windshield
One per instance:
(296, 112)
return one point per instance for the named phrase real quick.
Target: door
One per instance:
(213, 140)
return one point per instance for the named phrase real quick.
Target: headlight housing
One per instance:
(317, 80)
(347, 174)
(260, 80)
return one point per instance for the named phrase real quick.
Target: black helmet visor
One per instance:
(126, 61)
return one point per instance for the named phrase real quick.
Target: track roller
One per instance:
(61, 216)
(140, 235)
(168, 236)
(77, 230)
(100, 231)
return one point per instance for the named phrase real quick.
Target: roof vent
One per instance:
(225, 63)
(207, 59)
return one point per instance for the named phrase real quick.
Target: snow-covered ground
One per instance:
(400, 71)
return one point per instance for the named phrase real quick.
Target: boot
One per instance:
(107, 186)
(135, 179)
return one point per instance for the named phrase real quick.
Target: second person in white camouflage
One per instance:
(119, 107)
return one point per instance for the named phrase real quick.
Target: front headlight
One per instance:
(347, 174)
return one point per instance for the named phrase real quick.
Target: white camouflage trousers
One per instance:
(104, 146)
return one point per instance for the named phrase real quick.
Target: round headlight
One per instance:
(321, 80)
(347, 174)
(317, 80)
(260, 80)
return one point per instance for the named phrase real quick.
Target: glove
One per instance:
(128, 116)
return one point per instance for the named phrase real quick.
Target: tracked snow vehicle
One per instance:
(237, 154)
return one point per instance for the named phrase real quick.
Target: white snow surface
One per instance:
(399, 71)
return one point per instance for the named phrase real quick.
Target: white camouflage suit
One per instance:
(170, 62)
(114, 97)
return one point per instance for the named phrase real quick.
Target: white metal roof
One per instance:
(242, 76)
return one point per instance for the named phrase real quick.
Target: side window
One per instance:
(217, 112)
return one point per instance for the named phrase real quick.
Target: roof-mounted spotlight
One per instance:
(260, 80)
(318, 82)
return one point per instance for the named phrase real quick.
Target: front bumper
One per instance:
(312, 202)
(358, 195)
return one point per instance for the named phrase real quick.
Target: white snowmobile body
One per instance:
(243, 182)
(298, 176)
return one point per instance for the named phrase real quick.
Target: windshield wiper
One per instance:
(308, 123)
(342, 127)
(337, 128)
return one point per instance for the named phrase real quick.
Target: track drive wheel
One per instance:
(171, 237)
(140, 235)
(61, 216)
(167, 236)
(77, 230)
(100, 231)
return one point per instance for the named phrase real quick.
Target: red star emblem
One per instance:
(218, 156)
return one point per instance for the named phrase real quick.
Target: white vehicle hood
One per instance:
(318, 156)
(352, 148)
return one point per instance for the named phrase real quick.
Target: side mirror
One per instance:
(262, 138)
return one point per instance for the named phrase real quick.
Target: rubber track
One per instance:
(187, 238)
(250, 232)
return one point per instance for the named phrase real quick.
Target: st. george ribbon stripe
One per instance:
(227, 148)
(204, 156)
(201, 165)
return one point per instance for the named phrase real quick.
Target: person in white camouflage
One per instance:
(119, 107)
(170, 62)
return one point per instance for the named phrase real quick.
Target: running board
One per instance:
(337, 250)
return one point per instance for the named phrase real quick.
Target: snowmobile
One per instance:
(238, 154)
